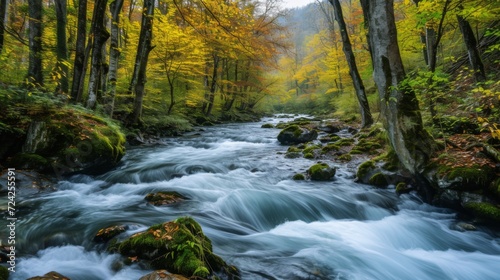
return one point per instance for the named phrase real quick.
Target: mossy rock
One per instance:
(356, 152)
(299, 177)
(311, 149)
(364, 169)
(178, 246)
(267, 125)
(345, 142)
(321, 172)
(295, 134)
(30, 161)
(470, 178)
(367, 146)
(309, 156)
(378, 180)
(164, 198)
(294, 149)
(106, 234)
(329, 138)
(345, 157)
(484, 211)
(330, 148)
(402, 188)
(293, 155)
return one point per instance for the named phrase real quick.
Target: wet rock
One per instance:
(378, 180)
(106, 234)
(321, 172)
(484, 212)
(178, 246)
(162, 275)
(299, 177)
(267, 125)
(164, 198)
(50, 276)
(295, 134)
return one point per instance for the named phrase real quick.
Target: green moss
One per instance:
(367, 146)
(299, 177)
(293, 155)
(329, 148)
(293, 149)
(178, 246)
(345, 142)
(30, 161)
(364, 168)
(321, 172)
(345, 157)
(356, 152)
(378, 180)
(484, 211)
(402, 188)
(309, 156)
(470, 177)
(311, 149)
(267, 125)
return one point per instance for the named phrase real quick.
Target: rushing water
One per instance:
(240, 190)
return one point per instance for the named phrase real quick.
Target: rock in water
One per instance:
(321, 172)
(295, 134)
(50, 276)
(178, 246)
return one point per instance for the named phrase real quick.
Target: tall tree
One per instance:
(62, 46)
(35, 68)
(138, 81)
(114, 54)
(366, 117)
(399, 105)
(79, 66)
(472, 51)
(98, 67)
(3, 15)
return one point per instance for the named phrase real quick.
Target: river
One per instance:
(271, 227)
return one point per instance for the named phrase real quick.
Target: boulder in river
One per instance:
(106, 234)
(164, 198)
(162, 275)
(50, 276)
(321, 172)
(178, 246)
(295, 134)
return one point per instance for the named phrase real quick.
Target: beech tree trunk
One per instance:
(143, 49)
(3, 16)
(114, 54)
(366, 117)
(62, 47)
(473, 53)
(399, 105)
(100, 35)
(213, 87)
(35, 75)
(79, 66)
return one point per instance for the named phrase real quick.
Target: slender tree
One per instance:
(138, 81)
(399, 105)
(472, 51)
(80, 65)
(62, 46)
(366, 117)
(98, 68)
(3, 15)
(35, 75)
(114, 54)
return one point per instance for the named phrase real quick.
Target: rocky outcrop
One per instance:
(295, 134)
(179, 247)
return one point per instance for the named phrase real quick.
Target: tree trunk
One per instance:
(143, 49)
(213, 86)
(114, 54)
(399, 105)
(365, 6)
(366, 117)
(79, 66)
(471, 43)
(100, 35)
(62, 47)
(35, 75)
(3, 16)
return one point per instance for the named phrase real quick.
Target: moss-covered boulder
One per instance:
(402, 188)
(267, 125)
(321, 172)
(365, 171)
(164, 198)
(295, 134)
(178, 246)
(378, 180)
(484, 212)
(4, 273)
(299, 177)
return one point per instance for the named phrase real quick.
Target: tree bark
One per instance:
(3, 15)
(100, 35)
(138, 81)
(114, 54)
(472, 51)
(35, 75)
(62, 47)
(213, 86)
(366, 117)
(79, 65)
(399, 105)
